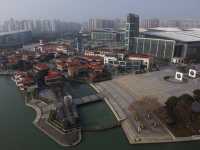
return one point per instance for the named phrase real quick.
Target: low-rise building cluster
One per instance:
(50, 63)
(55, 48)
(23, 80)
(83, 67)
(121, 58)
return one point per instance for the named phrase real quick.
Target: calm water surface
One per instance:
(18, 133)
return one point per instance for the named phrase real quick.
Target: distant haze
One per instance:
(82, 10)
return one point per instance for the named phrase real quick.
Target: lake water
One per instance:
(18, 133)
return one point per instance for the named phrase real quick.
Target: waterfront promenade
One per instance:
(41, 122)
(124, 94)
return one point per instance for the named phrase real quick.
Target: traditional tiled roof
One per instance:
(53, 75)
(139, 56)
(41, 66)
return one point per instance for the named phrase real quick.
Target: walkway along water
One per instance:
(41, 122)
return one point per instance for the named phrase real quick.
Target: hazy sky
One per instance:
(81, 10)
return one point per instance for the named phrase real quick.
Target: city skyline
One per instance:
(80, 11)
(99, 74)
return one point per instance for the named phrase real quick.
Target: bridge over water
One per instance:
(88, 99)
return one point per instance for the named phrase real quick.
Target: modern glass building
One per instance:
(98, 24)
(187, 43)
(159, 48)
(132, 29)
(103, 35)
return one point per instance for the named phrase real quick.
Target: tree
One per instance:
(197, 94)
(183, 112)
(187, 99)
(171, 102)
(171, 105)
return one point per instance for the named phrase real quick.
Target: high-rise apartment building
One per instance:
(39, 26)
(150, 23)
(96, 24)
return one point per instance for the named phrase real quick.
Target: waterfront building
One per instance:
(23, 80)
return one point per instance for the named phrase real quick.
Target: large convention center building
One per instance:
(187, 42)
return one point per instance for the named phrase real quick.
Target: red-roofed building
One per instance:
(61, 66)
(23, 80)
(81, 67)
(53, 77)
(40, 67)
(27, 81)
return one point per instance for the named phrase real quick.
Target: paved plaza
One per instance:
(123, 92)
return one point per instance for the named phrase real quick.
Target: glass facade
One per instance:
(156, 47)
(132, 30)
(103, 36)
